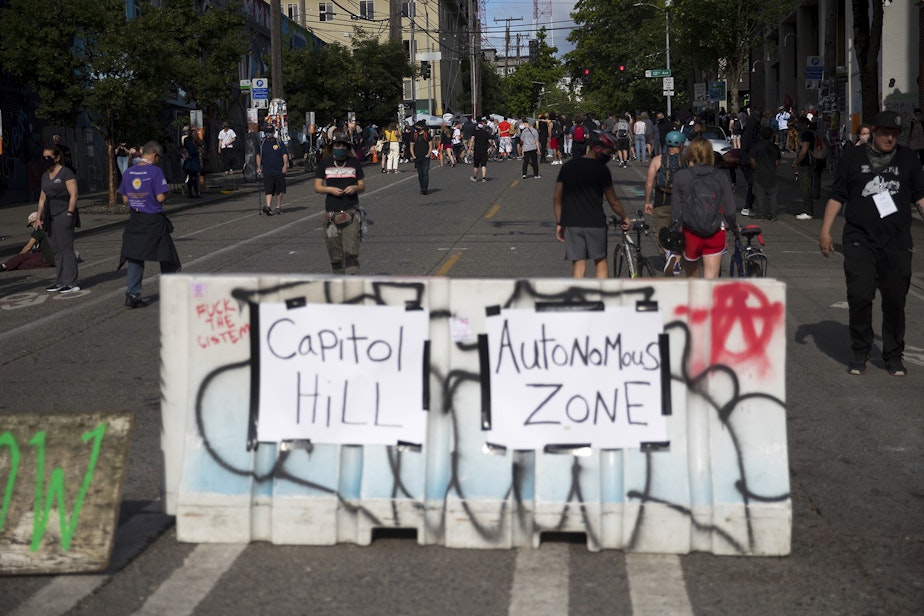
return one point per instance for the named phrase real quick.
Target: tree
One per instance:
(734, 30)
(867, 42)
(333, 80)
(613, 33)
(84, 57)
(523, 88)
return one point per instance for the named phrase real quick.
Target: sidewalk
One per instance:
(13, 218)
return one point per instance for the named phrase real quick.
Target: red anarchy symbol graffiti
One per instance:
(743, 323)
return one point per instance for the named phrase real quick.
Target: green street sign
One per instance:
(658, 72)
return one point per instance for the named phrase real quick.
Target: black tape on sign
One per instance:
(485, 371)
(664, 346)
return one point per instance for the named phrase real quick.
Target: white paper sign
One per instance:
(884, 204)
(346, 374)
(575, 378)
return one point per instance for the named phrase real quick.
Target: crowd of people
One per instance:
(688, 195)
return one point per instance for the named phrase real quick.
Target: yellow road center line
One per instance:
(493, 211)
(448, 264)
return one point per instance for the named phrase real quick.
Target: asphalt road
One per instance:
(855, 443)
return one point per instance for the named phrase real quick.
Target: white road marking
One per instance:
(656, 585)
(540, 581)
(64, 592)
(190, 584)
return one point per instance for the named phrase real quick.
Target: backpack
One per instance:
(775, 123)
(579, 132)
(622, 131)
(703, 214)
(665, 176)
(820, 150)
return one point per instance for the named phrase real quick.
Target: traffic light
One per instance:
(621, 72)
(425, 69)
(586, 74)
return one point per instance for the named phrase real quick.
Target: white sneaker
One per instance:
(745, 212)
(804, 216)
(523, 177)
(66, 290)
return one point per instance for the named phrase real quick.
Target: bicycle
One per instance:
(627, 256)
(748, 261)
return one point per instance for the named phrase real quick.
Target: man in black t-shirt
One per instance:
(580, 222)
(878, 185)
(480, 144)
(420, 155)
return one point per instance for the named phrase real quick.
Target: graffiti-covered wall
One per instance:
(699, 375)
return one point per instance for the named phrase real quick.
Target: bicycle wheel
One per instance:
(619, 261)
(644, 268)
(757, 266)
(631, 264)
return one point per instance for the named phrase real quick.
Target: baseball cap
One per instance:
(887, 119)
(32, 218)
(269, 128)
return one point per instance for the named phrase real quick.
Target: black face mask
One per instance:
(49, 162)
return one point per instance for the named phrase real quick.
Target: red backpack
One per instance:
(579, 132)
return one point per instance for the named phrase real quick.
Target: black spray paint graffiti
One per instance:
(384, 293)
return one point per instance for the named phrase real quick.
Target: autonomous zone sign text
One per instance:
(590, 378)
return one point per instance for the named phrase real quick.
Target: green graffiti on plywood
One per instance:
(7, 440)
(55, 492)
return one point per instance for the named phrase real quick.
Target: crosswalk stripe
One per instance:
(540, 581)
(656, 585)
(65, 591)
(189, 584)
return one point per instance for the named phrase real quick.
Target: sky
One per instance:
(561, 24)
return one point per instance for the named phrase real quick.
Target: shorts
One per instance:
(274, 184)
(583, 243)
(505, 145)
(553, 143)
(446, 146)
(480, 159)
(622, 143)
(696, 246)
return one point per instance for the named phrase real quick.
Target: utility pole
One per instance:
(507, 41)
(276, 47)
(394, 21)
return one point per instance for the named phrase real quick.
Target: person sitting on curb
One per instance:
(37, 253)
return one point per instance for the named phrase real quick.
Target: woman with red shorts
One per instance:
(703, 202)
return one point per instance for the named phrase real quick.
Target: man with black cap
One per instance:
(273, 163)
(876, 185)
(340, 177)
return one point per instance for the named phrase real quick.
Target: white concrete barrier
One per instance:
(716, 480)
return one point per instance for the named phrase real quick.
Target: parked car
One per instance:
(726, 157)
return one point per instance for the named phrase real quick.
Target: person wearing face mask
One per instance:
(580, 221)
(876, 187)
(863, 136)
(340, 178)
(273, 164)
(57, 215)
(147, 235)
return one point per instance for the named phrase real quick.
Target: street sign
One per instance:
(260, 89)
(667, 83)
(814, 68)
(667, 92)
(245, 85)
(658, 72)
